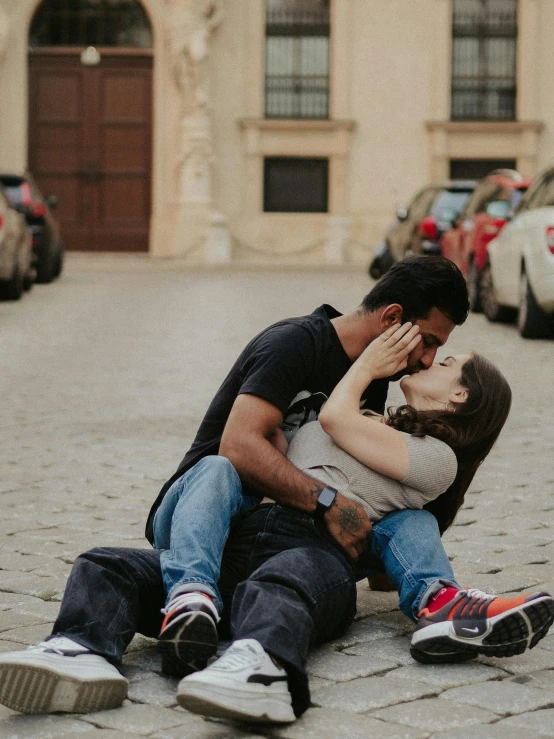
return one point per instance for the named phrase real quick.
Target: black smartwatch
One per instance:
(325, 500)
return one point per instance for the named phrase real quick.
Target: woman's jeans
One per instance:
(193, 522)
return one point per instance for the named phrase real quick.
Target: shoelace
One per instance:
(52, 645)
(479, 594)
(237, 657)
(185, 599)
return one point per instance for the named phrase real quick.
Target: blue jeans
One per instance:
(192, 525)
(195, 517)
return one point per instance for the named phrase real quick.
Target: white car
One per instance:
(519, 276)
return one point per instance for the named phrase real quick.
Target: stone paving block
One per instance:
(45, 610)
(396, 649)
(13, 619)
(42, 727)
(10, 646)
(157, 690)
(486, 731)
(504, 699)
(321, 723)
(94, 733)
(340, 667)
(13, 561)
(540, 722)
(366, 629)
(142, 660)
(196, 727)
(28, 634)
(368, 693)
(448, 676)
(140, 719)
(529, 661)
(30, 584)
(542, 679)
(430, 714)
(371, 602)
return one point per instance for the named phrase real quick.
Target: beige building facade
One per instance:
(220, 162)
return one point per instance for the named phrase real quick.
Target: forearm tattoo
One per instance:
(316, 489)
(349, 519)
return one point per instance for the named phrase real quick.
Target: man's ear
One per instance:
(391, 314)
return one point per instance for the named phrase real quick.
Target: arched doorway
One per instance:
(90, 119)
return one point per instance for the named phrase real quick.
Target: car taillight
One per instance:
(550, 238)
(428, 228)
(495, 226)
(39, 210)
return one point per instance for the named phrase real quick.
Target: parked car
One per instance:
(493, 203)
(16, 271)
(24, 195)
(418, 228)
(518, 277)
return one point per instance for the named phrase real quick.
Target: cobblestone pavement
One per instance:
(104, 378)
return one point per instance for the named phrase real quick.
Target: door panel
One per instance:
(90, 141)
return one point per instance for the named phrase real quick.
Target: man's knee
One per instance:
(219, 474)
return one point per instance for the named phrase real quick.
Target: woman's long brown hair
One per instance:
(470, 430)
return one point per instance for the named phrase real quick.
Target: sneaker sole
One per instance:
(508, 634)
(187, 641)
(33, 689)
(216, 701)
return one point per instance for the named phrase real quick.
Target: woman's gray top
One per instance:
(432, 470)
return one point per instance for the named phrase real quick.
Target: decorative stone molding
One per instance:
(483, 140)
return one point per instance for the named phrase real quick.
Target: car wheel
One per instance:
(46, 268)
(59, 262)
(474, 288)
(489, 304)
(532, 321)
(13, 289)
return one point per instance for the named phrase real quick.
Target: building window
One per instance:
(484, 60)
(297, 59)
(475, 169)
(295, 185)
(91, 23)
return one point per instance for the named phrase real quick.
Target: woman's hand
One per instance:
(388, 353)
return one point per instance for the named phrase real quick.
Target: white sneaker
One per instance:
(59, 675)
(245, 683)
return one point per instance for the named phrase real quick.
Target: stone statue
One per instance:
(192, 25)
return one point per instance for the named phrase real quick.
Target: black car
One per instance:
(24, 195)
(418, 228)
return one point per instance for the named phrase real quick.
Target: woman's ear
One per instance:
(391, 314)
(459, 395)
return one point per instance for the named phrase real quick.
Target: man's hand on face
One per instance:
(349, 525)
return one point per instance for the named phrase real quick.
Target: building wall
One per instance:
(388, 135)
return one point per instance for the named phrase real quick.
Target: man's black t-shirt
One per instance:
(291, 356)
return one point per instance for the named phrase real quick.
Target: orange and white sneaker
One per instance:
(474, 622)
(188, 637)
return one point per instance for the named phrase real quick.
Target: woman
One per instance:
(297, 587)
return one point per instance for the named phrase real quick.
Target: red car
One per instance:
(491, 206)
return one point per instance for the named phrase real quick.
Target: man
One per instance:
(112, 593)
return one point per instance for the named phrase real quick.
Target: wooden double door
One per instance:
(90, 144)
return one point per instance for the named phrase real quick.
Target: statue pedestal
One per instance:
(218, 241)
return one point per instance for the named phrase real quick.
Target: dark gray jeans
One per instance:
(283, 581)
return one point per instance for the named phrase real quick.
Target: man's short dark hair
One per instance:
(420, 283)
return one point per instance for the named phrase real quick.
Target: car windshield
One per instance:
(449, 204)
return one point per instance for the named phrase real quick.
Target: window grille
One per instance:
(297, 59)
(295, 185)
(91, 23)
(484, 60)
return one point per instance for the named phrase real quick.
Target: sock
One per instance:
(439, 600)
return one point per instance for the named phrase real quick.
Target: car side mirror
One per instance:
(401, 212)
(51, 201)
